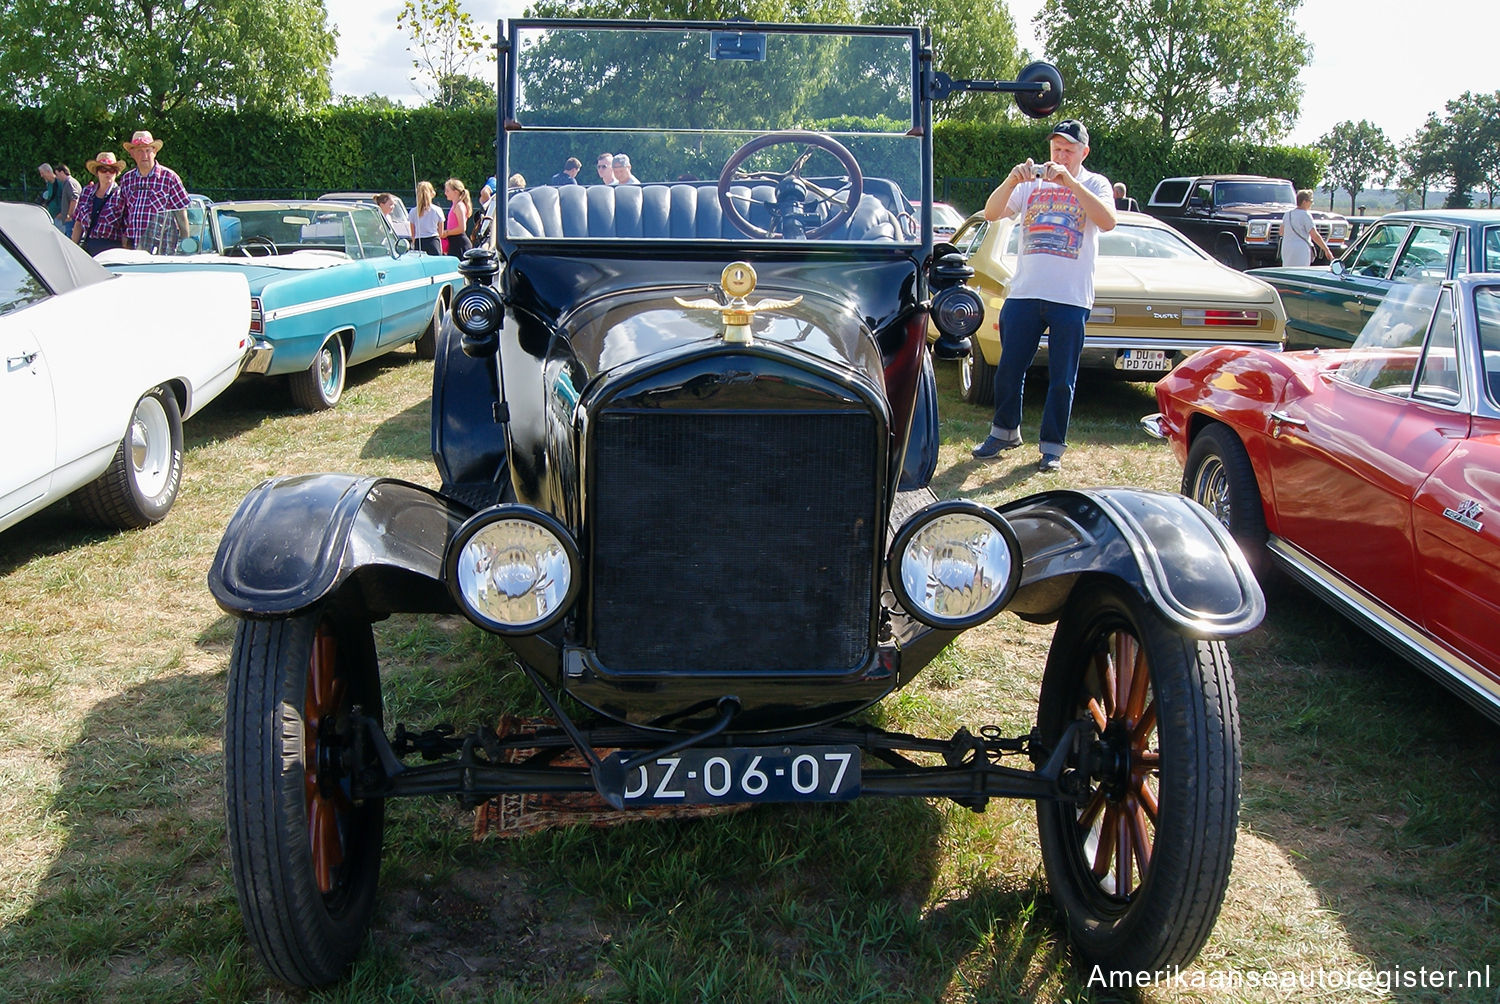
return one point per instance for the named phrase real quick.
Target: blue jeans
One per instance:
(1021, 325)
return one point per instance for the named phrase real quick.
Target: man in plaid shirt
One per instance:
(152, 191)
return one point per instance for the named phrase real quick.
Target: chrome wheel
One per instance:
(150, 446)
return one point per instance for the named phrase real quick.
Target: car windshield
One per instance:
(1487, 310)
(259, 229)
(1129, 240)
(944, 215)
(1228, 193)
(679, 101)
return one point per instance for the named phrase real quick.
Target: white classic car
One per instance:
(99, 372)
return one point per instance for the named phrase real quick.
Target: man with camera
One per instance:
(1061, 208)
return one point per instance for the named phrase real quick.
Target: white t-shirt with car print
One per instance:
(1059, 243)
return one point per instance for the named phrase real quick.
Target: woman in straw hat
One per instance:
(99, 222)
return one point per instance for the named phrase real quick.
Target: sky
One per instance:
(1425, 57)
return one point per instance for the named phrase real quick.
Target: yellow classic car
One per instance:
(1158, 298)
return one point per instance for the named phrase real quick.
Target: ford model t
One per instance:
(684, 428)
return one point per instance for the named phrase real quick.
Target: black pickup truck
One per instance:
(1237, 217)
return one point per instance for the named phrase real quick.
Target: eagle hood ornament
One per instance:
(738, 281)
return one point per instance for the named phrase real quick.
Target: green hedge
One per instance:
(219, 152)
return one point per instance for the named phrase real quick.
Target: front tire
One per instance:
(305, 856)
(320, 386)
(1218, 475)
(426, 345)
(142, 481)
(1139, 867)
(976, 378)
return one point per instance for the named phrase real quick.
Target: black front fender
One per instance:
(1167, 547)
(374, 546)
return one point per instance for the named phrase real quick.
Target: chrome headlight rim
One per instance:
(485, 518)
(927, 517)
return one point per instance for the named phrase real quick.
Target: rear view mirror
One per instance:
(1038, 88)
(1045, 95)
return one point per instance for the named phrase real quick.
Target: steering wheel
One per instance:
(810, 141)
(247, 248)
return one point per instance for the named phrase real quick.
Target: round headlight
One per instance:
(955, 564)
(957, 311)
(513, 570)
(478, 311)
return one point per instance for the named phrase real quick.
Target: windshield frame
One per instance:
(918, 40)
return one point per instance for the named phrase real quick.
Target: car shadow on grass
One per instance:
(1377, 785)
(846, 902)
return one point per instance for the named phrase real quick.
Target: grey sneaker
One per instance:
(1049, 463)
(992, 447)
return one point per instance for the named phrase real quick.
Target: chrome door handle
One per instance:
(1282, 418)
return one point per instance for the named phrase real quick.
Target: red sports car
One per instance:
(1369, 474)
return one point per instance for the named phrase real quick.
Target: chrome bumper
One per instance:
(259, 359)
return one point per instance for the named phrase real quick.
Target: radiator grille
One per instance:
(725, 541)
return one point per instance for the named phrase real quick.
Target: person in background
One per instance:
(482, 212)
(1062, 210)
(426, 221)
(460, 207)
(71, 189)
(1299, 233)
(99, 222)
(606, 168)
(396, 220)
(621, 163)
(1123, 201)
(516, 182)
(51, 196)
(569, 173)
(154, 196)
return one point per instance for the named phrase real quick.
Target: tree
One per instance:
(1199, 69)
(445, 44)
(148, 58)
(1472, 131)
(1423, 157)
(968, 41)
(1357, 151)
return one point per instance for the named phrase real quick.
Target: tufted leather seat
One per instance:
(673, 212)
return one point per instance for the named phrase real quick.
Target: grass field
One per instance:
(1366, 864)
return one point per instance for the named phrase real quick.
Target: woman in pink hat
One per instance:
(99, 221)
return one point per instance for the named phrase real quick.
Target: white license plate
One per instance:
(1142, 359)
(722, 776)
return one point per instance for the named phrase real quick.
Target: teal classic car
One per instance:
(1327, 305)
(330, 287)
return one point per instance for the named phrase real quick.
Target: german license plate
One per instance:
(772, 774)
(1142, 359)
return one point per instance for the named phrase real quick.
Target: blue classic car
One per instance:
(1328, 305)
(330, 286)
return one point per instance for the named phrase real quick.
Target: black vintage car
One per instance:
(684, 429)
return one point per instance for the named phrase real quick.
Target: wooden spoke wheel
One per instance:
(304, 853)
(1140, 863)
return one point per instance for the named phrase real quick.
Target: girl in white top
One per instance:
(426, 221)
